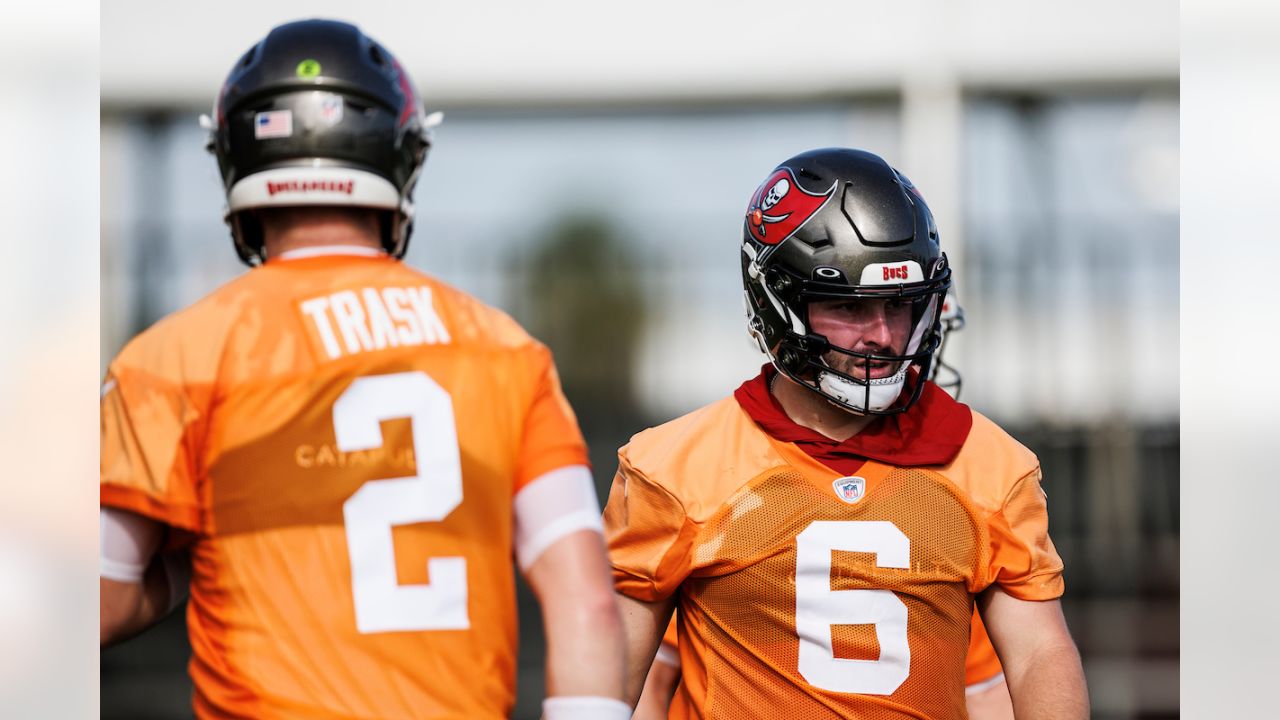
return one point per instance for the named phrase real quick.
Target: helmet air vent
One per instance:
(879, 219)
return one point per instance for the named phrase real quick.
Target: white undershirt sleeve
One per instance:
(984, 685)
(667, 654)
(126, 542)
(584, 708)
(552, 506)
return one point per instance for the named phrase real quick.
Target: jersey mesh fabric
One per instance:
(219, 421)
(745, 619)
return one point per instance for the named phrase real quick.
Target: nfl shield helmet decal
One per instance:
(331, 110)
(849, 489)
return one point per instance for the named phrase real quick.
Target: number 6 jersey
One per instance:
(807, 591)
(345, 445)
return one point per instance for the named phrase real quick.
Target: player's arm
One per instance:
(659, 685)
(986, 694)
(562, 554)
(1042, 665)
(643, 623)
(138, 587)
(647, 529)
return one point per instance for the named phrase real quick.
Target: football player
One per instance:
(826, 530)
(986, 693)
(350, 452)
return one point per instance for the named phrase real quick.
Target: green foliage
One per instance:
(582, 297)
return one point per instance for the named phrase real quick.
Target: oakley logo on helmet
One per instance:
(780, 206)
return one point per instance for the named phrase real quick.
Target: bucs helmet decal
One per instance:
(780, 207)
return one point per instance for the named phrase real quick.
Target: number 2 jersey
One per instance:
(344, 445)
(807, 591)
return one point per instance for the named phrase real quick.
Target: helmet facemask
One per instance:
(851, 379)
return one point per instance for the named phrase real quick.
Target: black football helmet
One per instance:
(835, 224)
(318, 113)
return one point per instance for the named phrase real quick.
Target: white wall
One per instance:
(156, 52)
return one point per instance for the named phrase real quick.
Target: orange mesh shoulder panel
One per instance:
(670, 480)
(1003, 480)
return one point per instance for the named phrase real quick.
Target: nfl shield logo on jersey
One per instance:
(849, 489)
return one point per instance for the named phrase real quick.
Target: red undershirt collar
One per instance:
(930, 433)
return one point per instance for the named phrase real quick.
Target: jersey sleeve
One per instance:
(649, 536)
(149, 448)
(551, 438)
(1023, 560)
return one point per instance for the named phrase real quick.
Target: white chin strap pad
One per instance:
(292, 186)
(884, 391)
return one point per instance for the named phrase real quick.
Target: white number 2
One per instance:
(818, 607)
(382, 604)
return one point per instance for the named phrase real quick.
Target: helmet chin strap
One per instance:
(883, 392)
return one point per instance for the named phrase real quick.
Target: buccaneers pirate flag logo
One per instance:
(780, 206)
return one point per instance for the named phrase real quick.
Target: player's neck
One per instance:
(809, 409)
(319, 229)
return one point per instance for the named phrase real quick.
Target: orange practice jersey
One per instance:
(805, 594)
(338, 440)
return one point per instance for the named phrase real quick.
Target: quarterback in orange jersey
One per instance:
(349, 452)
(826, 530)
(986, 694)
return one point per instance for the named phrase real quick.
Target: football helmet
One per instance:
(318, 113)
(841, 224)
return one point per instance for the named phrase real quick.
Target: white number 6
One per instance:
(382, 604)
(818, 607)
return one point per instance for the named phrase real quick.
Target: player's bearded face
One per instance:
(863, 325)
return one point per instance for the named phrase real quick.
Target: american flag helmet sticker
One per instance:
(273, 124)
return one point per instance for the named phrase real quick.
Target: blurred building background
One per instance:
(591, 177)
